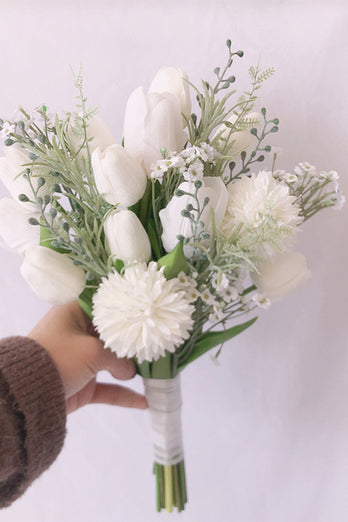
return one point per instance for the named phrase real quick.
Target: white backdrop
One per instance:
(266, 431)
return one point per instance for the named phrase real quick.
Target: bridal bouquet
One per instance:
(166, 238)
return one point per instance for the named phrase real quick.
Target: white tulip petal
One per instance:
(218, 197)
(15, 231)
(52, 276)
(118, 176)
(12, 166)
(152, 122)
(126, 237)
(174, 224)
(282, 275)
(242, 139)
(174, 81)
(98, 135)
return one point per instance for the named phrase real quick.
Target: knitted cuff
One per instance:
(34, 383)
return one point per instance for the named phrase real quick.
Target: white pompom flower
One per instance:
(261, 201)
(141, 313)
(253, 198)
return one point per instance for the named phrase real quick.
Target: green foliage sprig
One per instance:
(72, 211)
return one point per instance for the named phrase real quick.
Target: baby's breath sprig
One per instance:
(313, 191)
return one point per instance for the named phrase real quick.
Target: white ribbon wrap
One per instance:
(164, 399)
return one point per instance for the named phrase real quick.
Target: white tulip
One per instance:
(118, 176)
(11, 167)
(169, 79)
(97, 132)
(242, 139)
(174, 224)
(282, 275)
(52, 276)
(15, 231)
(126, 237)
(152, 122)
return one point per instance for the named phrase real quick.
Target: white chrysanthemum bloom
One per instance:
(189, 286)
(141, 313)
(261, 301)
(189, 154)
(331, 175)
(195, 171)
(229, 294)
(217, 313)
(6, 130)
(260, 197)
(185, 281)
(210, 152)
(206, 296)
(161, 167)
(290, 178)
(305, 168)
(340, 202)
(220, 282)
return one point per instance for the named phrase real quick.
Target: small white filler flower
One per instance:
(141, 313)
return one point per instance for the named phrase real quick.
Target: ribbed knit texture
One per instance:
(32, 415)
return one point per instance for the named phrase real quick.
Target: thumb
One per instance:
(120, 368)
(104, 359)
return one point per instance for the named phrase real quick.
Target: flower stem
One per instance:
(168, 488)
(183, 479)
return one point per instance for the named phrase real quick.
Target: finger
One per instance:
(118, 396)
(120, 368)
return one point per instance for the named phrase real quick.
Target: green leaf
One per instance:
(154, 240)
(135, 208)
(163, 368)
(211, 339)
(174, 262)
(85, 301)
(145, 204)
(46, 239)
(143, 369)
(118, 264)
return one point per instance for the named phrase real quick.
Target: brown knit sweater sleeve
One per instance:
(32, 415)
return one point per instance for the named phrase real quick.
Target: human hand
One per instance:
(67, 333)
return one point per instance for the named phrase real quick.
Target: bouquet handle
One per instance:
(164, 399)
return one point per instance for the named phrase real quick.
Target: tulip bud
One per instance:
(175, 216)
(15, 230)
(282, 275)
(52, 276)
(126, 237)
(174, 81)
(98, 135)
(152, 122)
(242, 139)
(118, 176)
